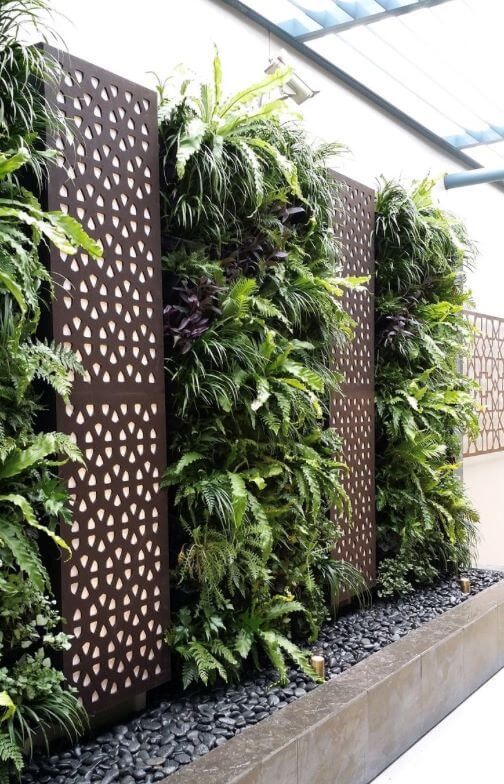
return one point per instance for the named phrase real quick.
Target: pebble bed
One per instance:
(157, 742)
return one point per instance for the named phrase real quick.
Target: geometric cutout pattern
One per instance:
(352, 412)
(354, 419)
(486, 366)
(114, 589)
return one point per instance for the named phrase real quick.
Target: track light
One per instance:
(295, 87)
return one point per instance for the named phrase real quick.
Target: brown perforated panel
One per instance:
(486, 366)
(352, 413)
(115, 588)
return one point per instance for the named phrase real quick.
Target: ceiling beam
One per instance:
(370, 19)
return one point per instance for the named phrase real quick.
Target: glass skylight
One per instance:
(437, 61)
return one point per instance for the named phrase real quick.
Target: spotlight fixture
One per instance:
(465, 584)
(295, 88)
(318, 664)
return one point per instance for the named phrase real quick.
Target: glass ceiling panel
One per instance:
(438, 61)
(287, 15)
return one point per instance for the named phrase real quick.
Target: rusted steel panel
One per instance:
(486, 366)
(352, 413)
(114, 590)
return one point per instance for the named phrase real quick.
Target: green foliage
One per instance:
(426, 524)
(254, 308)
(212, 152)
(24, 469)
(38, 699)
(221, 651)
(33, 501)
(11, 758)
(24, 113)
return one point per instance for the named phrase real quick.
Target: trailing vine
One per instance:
(252, 309)
(426, 524)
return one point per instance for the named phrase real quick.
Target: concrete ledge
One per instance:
(352, 727)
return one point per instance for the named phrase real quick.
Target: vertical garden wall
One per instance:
(253, 312)
(268, 268)
(426, 524)
(270, 277)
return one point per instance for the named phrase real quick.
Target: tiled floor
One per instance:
(467, 746)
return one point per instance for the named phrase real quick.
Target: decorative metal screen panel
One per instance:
(115, 588)
(486, 366)
(352, 414)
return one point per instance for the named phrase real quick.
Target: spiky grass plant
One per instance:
(25, 115)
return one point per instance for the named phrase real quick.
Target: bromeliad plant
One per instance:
(426, 524)
(33, 502)
(252, 312)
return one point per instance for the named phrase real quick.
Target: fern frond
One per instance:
(24, 552)
(10, 756)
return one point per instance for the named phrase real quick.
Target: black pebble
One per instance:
(155, 744)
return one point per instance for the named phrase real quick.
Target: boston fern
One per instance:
(253, 308)
(426, 524)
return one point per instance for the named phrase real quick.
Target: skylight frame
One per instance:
(362, 89)
(369, 18)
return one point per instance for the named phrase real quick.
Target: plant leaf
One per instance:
(29, 515)
(190, 141)
(239, 496)
(249, 94)
(8, 706)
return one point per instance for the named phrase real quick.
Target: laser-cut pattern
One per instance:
(486, 367)
(115, 588)
(352, 414)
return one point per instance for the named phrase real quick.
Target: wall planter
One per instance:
(351, 728)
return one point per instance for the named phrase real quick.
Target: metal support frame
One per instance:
(485, 365)
(476, 177)
(367, 20)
